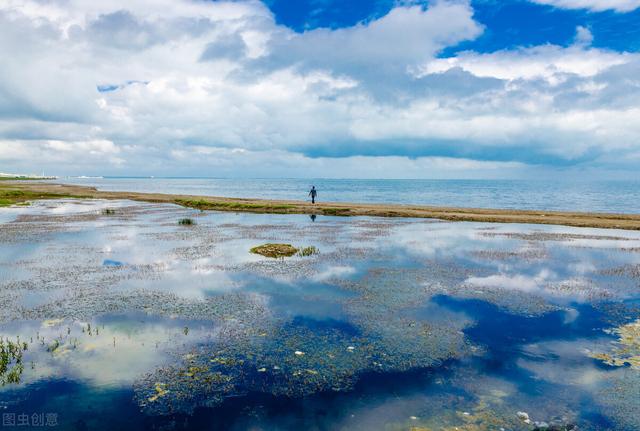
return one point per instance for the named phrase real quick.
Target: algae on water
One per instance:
(275, 250)
(627, 349)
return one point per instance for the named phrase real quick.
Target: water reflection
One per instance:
(393, 324)
(109, 350)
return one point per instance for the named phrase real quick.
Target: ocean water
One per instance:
(591, 196)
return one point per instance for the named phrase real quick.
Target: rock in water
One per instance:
(524, 417)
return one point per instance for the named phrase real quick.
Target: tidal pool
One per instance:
(115, 316)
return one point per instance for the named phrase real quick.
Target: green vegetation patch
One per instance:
(11, 366)
(627, 349)
(308, 251)
(336, 211)
(20, 178)
(186, 222)
(10, 196)
(275, 250)
(202, 204)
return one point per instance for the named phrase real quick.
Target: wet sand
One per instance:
(38, 190)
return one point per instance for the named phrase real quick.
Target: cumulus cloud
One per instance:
(62, 154)
(181, 86)
(594, 5)
(550, 62)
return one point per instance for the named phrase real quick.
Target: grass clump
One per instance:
(10, 196)
(308, 251)
(186, 222)
(275, 250)
(202, 204)
(336, 211)
(53, 346)
(11, 366)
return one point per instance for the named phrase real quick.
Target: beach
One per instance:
(26, 190)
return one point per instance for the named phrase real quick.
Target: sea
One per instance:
(548, 195)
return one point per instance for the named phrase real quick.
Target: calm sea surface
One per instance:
(598, 196)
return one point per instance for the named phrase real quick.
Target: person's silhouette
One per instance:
(313, 193)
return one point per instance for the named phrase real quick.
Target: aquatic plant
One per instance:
(308, 251)
(294, 361)
(297, 359)
(627, 349)
(108, 211)
(53, 346)
(619, 396)
(275, 250)
(186, 222)
(384, 332)
(11, 366)
(160, 391)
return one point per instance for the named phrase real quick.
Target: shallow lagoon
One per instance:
(129, 320)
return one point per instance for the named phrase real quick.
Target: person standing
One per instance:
(313, 193)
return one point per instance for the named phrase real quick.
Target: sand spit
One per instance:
(20, 191)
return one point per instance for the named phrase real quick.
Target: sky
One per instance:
(321, 88)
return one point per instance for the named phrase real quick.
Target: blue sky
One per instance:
(378, 88)
(509, 24)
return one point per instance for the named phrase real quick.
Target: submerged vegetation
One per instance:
(11, 366)
(308, 251)
(275, 250)
(186, 222)
(160, 391)
(108, 211)
(297, 359)
(627, 349)
(381, 303)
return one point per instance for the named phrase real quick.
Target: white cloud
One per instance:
(550, 62)
(513, 282)
(594, 5)
(62, 153)
(221, 84)
(583, 36)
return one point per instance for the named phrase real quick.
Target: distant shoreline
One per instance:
(9, 177)
(21, 191)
